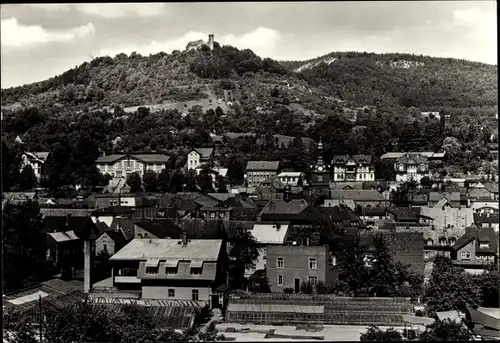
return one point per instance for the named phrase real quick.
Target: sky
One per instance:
(39, 41)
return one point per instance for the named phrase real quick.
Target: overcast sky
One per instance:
(40, 41)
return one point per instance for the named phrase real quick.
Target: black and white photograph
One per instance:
(250, 171)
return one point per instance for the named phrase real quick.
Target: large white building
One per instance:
(411, 166)
(291, 178)
(121, 165)
(200, 156)
(353, 168)
(37, 161)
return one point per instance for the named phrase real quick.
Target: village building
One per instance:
(38, 161)
(257, 172)
(353, 168)
(476, 249)
(200, 156)
(411, 166)
(119, 166)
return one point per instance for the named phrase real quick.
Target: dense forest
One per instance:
(80, 114)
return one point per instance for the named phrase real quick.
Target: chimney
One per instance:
(211, 41)
(184, 238)
(86, 275)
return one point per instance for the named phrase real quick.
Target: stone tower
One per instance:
(211, 41)
(320, 176)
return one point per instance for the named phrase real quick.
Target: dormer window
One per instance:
(422, 166)
(484, 245)
(401, 167)
(429, 242)
(171, 270)
(196, 270)
(151, 270)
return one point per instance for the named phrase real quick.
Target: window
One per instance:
(452, 241)
(171, 293)
(429, 242)
(313, 280)
(320, 178)
(105, 247)
(332, 261)
(151, 270)
(484, 245)
(48, 254)
(139, 235)
(280, 280)
(426, 254)
(196, 270)
(442, 242)
(171, 270)
(195, 295)
(312, 263)
(465, 255)
(280, 262)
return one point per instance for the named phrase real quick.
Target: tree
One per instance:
(489, 283)
(382, 272)
(306, 287)
(321, 288)
(244, 253)
(426, 182)
(264, 285)
(150, 180)
(451, 289)
(204, 180)
(445, 330)
(220, 184)
(134, 181)
(24, 245)
(27, 179)
(236, 169)
(18, 330)
(375, 334)
(163, 181)
(352, 266)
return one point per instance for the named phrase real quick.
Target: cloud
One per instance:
(15, 35)
(263, 41)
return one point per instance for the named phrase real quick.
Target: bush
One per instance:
(288, 290)
(419, 313)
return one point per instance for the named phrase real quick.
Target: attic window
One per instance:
(151, 270)
(171, 270)
(429, 242)
(452, 241)
(196, 270)
(484, 245)
(442, 242)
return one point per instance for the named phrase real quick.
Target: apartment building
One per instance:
(121, 165)
(348, 168)
(259, 171)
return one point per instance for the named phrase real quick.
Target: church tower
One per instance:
(320, 176)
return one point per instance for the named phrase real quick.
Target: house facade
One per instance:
(288, 266)
(200, 156)
(476, 249)
(172, 269)
(412, 166)
(39, 162)
(353, 168)
(119, 166)
(110, 242)
(258, 171)
(291, 178)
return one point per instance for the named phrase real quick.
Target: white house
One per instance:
(291, 178)
(353, 168)
(121, 165)
(37, 161)
(411, 166)
(199, 156)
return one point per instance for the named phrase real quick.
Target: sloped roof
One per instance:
(486, 218)
(232, 226)
(112, 210)
(262, 165)
(235, 202)
(161, 228)
(357, 195)
(245, 214)
(146, 158)
(458, 217)
(419, 198)
(278, 206)
(126, 225)
(80, 225)
(441, 203)
(144, 249)
(340, 213)
(202, 228)
(479, 193)
(270, 233)
(427, 154)
(204, 152)
(450, 196)
(221, 196)
(62, 212)
(492, 187)
(339, 202)
(373, 211)
(412, 158)
(342, 159)
(64, 236)
(478, 234)
(116, 235)
(406, 213)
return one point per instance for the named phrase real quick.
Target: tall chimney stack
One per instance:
(211, 41)
(184, 238)
(86, 266)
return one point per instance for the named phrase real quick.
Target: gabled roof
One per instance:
(235, 202)
(62, 212)
(202, 228)
(262, 165)
(270, 233)
(206, 250)
(357, 195)
(161, 228)
(373, 211)
(359, 159)
(126, 225)
(480, 218)
(64, 236)
(492, 187)
(112, 210)
(441, 203)
(340, 213)
(146, 158)
(458, 217)
(232, 226)
(221, 196)
(82, 226)
(116, 235)
(278, 206)
(204, 152)
(450, 196)
(245, 214)
(478, 234)
(102, 226)
(412, 158)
